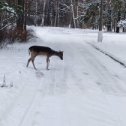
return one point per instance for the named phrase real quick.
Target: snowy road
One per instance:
(83, 89)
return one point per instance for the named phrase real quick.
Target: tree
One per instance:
(21, 26)
(43, 13)
(100, 34)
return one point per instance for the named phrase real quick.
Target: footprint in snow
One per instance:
(85, 73)
(39, 74)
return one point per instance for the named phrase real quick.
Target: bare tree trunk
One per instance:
(58, 14)
(25, 13)
(56, 9)
(56, 22)
(36, 10)
(43, 14)
(100, 34)
(109, 22)
(77, 15)
(73, 15)
(117, 27)
(76, 12)
(20, 21)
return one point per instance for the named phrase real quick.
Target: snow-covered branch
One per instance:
(122, 23)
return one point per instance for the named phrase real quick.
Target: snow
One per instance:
(122, 23)
(86, 88)
(9, 9)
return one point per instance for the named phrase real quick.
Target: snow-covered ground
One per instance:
(87, 88)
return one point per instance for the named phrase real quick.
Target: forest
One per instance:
(15, 15)
(62, 62)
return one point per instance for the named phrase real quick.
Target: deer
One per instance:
(43, 51)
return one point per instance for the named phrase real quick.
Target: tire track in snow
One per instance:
(21, 107)
(56, 85)
(106, 80)
(59, 82)
(89, 60)
(109, 55)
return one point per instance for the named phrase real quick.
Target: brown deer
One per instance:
(44, 51)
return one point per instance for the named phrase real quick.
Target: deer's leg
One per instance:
(33, 63)
(33, 55)
(28, 61)
(47, 61)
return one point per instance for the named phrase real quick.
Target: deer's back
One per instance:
(40, 49)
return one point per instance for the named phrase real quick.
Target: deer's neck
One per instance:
(54, 53)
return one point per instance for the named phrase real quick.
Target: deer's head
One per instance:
(60, 54)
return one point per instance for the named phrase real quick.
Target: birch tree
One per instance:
(43, 13)
(100, 34)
